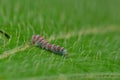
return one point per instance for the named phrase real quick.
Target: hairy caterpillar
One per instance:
(41, 42)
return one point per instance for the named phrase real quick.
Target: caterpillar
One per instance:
(41, 42)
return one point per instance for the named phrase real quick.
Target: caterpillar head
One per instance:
(36, 39)
(33, 39)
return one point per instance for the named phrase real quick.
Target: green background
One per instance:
(90, 54)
